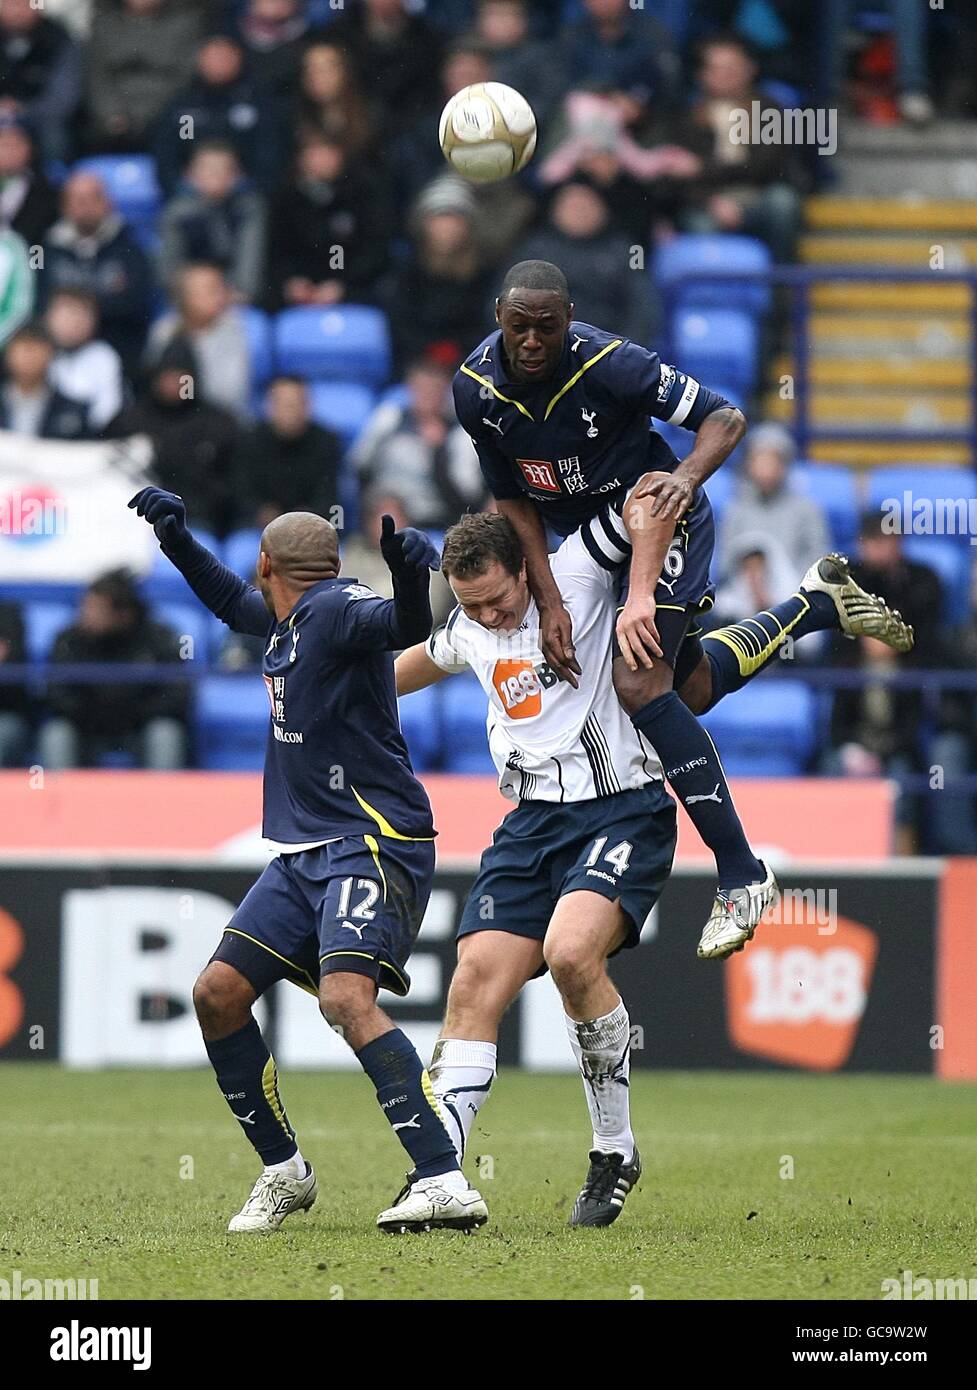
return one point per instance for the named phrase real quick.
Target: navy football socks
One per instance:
(408, 1101)
(697, 778)
(741, 651)
(248, 1078)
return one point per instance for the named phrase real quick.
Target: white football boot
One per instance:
(273, 1197)
(861, 614)
(445, 1202)
(735, 916)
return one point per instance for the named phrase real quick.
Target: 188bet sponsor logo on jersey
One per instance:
(520, 686)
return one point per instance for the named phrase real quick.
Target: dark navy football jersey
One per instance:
(336, 762)
(579, 439)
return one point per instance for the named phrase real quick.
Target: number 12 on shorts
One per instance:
(619, 856)
(364, 908)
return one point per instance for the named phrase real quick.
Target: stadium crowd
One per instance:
(294, 164)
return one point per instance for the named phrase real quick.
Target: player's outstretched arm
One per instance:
(555, 625)
(414, 670)
(226, 595)
(410, 556)
(715, 440)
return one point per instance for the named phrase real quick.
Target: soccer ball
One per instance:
(487, 131)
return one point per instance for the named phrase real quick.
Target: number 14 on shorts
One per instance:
(618, 857)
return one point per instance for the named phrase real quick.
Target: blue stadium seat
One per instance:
(463, 714)
(953, 565)
(350, 342)
(341, 406)
(43, 620)
(922, 483)
(420, 719)
(836, 490)
(191, 619)
(241, 552)
(231, 723)
(770, 732)
(130, 180)
(257, 325)
(717, 345)
(684, 255)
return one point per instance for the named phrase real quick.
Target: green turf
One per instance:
(884, 1180)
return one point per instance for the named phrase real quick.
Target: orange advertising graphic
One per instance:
(796, 995)
(518, 687)
(11, 999)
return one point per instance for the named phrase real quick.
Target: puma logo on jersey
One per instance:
(493, 424)
(486, 356)
(713, 796)
(577, 341)
(669, 584)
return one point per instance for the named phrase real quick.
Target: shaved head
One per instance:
(303, 548)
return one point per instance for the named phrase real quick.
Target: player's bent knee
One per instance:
(222, 997)
(573, 963)
(474, 996)
(635, 689)
(345, 999)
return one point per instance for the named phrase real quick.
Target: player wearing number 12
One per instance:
(338, 907)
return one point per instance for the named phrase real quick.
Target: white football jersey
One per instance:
(549, 741)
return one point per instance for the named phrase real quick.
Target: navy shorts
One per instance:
(353, 905)
(684, 590)
(620, 846)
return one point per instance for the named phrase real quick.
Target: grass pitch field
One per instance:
(884, 1180)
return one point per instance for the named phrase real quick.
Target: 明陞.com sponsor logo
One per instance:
(79, 1343)
(793, 125)
(21, 1288)
(910, 515)
(923, 1289)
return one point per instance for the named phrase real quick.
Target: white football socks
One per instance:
(461, 1072)
(294, 1167)
(602, 1047)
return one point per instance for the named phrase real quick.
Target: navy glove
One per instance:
(408, 549)
(165, 512)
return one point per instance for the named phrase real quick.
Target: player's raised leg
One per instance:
(587, 927)
(248, 1078)
(492, 968)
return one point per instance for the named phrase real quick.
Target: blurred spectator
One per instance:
(217, 217)
(416, 159)
(193, 441)
(419, 452)
(766, 503)
(782, 33)
(75, 15)
(84, 368)
(17, 282)
(329, 232)
(438, 299)
(272, 33)
(206, 318)
(517, 59)
(910, 29)
(759, 574)
(616, 48)
(361, 552)
(221, 102)
(29, 403)
(330, 98)
(14, 702)
(287, 462)
(40, 73)
(751, 188)
(596, 260)
(140, 55)
(396, 54)
(875, 729)
(28, 200)
(914, 589)
(146, 721)
(92, 248)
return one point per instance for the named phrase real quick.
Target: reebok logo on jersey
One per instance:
(539, 474)
(520, 685)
